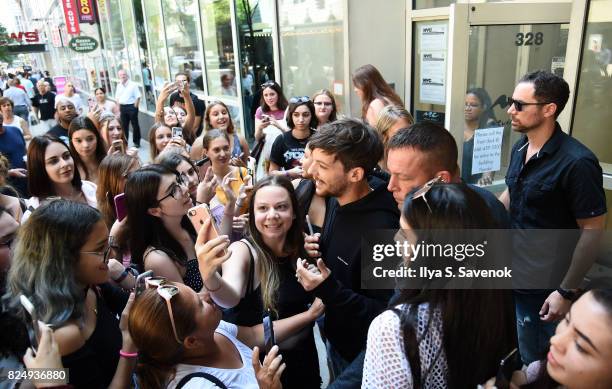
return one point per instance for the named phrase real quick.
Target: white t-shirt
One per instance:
(16, 122)
(243, 378)
(87, 187)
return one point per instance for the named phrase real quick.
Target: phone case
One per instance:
(120, 206)
(269, 340)
(200, 215)
(31, 323)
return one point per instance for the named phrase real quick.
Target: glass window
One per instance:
(312, 49)
(498, 57)
(255, 20)
(145, 62)
(184, 49)
(592, 115)
(218, 47)
(157, 43)
(429, 64)
(117, 40)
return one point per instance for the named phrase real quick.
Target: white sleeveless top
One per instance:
(242, 378)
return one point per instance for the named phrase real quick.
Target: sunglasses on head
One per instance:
(299, 100)
(267, 84)
(166, 291)
(422, 191)
(518, 105)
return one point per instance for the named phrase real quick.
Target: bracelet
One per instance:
(128, 355)
(122, 276)
(211, 290)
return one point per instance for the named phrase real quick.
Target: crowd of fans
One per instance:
(210, 265)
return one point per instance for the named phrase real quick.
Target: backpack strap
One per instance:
(207, 376)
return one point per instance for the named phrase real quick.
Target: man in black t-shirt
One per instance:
(44, 104)
(65, 113)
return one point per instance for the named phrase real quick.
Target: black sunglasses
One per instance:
(299, 100)
(518, 105)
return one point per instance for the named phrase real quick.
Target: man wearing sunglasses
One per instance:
(554, 182)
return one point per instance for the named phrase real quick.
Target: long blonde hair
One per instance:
(388, 116)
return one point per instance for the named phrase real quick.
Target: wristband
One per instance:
(567, 294)
(122, 276)
(127, 355)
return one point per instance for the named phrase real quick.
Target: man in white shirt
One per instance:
(20, 100)
(128, 97)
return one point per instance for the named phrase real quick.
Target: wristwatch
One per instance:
(567, 294)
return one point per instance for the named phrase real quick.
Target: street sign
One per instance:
(83, 44)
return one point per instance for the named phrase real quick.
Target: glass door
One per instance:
(495, 52)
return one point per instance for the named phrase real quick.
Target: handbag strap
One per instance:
(207, 376)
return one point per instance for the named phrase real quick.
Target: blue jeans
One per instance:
(347, 375)
(533, 334)
(21, 111)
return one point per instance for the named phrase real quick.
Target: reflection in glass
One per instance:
(219, 48)
(159, 62)
(593, 115)
(255, 19)
(312, 50)
(184, 51)
(498, 57)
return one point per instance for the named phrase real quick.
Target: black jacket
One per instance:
(350, 309)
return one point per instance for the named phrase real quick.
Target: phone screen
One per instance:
(177, 132)
(269, 340)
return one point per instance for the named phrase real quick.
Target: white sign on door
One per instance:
(487, 150)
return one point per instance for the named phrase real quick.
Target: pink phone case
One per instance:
(120, 206)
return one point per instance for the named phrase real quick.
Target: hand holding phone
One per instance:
(200, 216)
(141, 284)
(120, 206)
(31, 322)
(177, 132)
(118, 146)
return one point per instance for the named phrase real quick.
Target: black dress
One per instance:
(302, 369)
(95, 363)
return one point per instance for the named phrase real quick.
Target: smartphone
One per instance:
(265, 118)
(31, 322)
(141, 284)
(118, 145)
(310, 230)
(507, 366)
(202, 161)
(120, 206)
(198, 216)
(177, 132)
(269, 340)
(91, 103)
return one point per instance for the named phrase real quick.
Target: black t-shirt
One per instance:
(287, 151)
(59, 132)
(46, 105)
(198, 104)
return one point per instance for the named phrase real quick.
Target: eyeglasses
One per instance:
(324, 103)
(299, 100)
(267, 84)
(518, 105)
(166, 291)
(104, 254)
(175, 189)
(472, 106)
(421, 192)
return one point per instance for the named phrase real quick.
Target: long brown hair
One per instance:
(371, 82)
(208, 127)
(151, 330)
(267, 268)
(84, 123)
(111, 182)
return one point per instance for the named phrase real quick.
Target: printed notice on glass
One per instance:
(487, 150)
(433, 37)
(432, 80)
